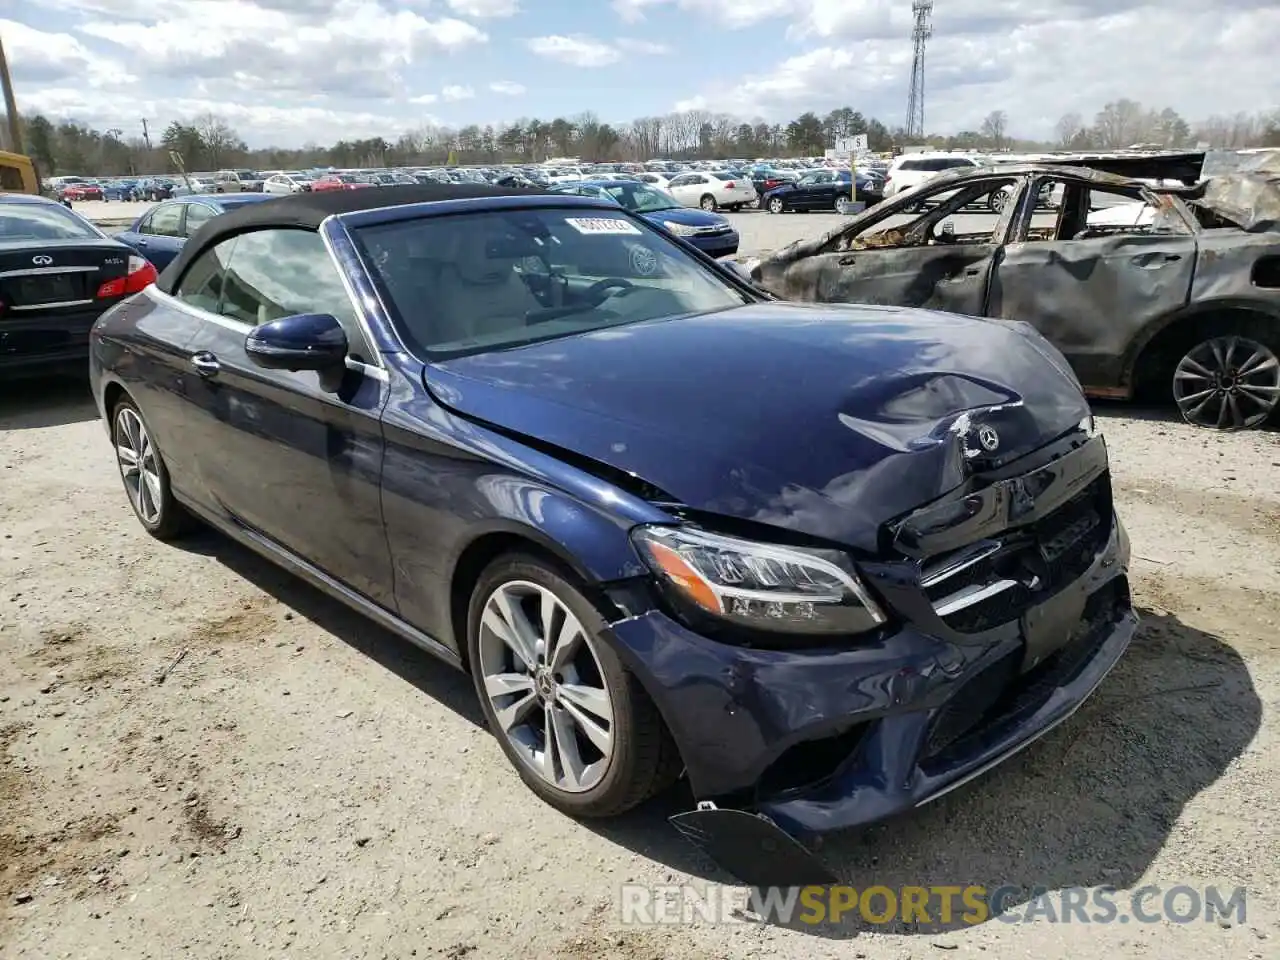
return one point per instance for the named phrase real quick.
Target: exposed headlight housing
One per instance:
(680, 229)
(759, 586)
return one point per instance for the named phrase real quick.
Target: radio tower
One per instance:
(920, 34)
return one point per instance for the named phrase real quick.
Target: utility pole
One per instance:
(10, 104)
(146, 137)
(920, 34)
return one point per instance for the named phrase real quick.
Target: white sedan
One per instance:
(284, 183)
(713, 189)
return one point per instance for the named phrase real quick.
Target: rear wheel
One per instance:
(708, 202)
(843, 204)
(996, 202)
(576, 724)
(1229, 381)
(146, 480)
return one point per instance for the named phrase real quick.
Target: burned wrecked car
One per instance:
(1153, 291)
(827, 563)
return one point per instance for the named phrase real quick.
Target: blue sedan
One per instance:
(825, 562)
(710, 232)
(160, 233)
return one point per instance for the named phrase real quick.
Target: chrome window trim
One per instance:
(239, 326)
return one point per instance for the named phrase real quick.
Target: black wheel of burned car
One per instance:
(578, 726)
(1228, 382)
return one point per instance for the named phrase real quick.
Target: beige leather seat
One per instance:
(478, 295)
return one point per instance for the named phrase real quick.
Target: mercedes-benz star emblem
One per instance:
(988, 438)
(42, 260)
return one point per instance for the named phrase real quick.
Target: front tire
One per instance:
(776, 205)
(145, 478)
(578, 727)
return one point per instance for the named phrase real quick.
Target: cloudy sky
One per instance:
(290, 71)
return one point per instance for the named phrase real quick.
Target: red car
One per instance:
(339, 181)
(82, 191)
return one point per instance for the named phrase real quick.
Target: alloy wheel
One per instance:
(139, 466)
(1228, 381)
(543, 678)
(775, 205)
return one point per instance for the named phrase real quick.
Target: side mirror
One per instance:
(306, 341)
(738, 270)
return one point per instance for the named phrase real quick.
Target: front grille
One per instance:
(992, 582)
(997, 693)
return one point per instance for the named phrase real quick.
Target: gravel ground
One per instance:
(201, 756)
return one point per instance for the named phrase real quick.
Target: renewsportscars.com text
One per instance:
(937, 904)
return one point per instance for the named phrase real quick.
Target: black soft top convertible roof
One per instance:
(306, 211)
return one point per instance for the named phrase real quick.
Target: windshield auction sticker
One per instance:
(603, 225)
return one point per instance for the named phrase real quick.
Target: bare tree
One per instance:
(1068, 129)
(1119, 124)
(994, 126)
(218, 137)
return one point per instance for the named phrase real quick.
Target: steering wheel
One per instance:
(598, 292)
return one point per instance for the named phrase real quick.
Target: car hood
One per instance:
(685, 216)
(825, 420)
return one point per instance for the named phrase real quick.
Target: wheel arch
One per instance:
(112, 393)
(509, 536)
(1150, 351)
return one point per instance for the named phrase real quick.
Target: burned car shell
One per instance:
(1128, 307)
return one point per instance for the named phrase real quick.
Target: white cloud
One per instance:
(648, 47)
(734, 15)
(1035, 59)
(632, 11)
(37, 59)
(349, 48)
(576, 50)
(481, 9)
(424, 98)
(507, 88)
(454, 93)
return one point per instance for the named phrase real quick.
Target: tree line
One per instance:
(209, 142)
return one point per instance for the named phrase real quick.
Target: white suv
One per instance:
(912, 169)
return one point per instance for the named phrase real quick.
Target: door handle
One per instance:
(142, 243)
(846, 261)
(1154, 261)
(205, 364)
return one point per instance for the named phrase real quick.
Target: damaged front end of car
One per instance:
(1007, 604)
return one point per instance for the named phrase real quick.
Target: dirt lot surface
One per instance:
(202, 757)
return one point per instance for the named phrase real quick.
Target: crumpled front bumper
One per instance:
(736, 713)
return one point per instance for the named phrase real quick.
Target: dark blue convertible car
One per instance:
(827, 563)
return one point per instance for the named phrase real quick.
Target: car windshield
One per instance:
(639, 197)
(40, 221)
(471, 283)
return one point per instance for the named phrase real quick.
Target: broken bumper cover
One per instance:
(864, 720)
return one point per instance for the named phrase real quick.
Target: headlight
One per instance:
(756, 585)
(680, 229)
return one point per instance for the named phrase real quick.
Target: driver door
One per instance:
(940, 259)
(280, 454)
